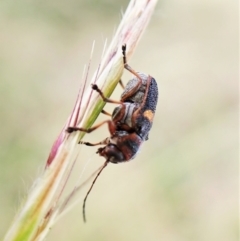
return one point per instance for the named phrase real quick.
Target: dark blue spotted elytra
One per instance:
(130, 123)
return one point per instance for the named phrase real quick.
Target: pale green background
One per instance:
(183, 185)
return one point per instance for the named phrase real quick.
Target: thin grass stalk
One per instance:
(44, 202)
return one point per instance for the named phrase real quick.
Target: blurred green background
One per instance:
(184, 183)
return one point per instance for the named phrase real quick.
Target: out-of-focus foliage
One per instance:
(183, 184)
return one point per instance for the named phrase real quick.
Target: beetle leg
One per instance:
(106, 113)
(95, 87)
(124, 47)
(126, 66)
(111, 127)
(104, 142)
(121, 83)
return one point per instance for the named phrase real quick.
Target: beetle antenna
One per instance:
(85, 199)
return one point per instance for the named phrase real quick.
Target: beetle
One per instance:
(131, 120)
